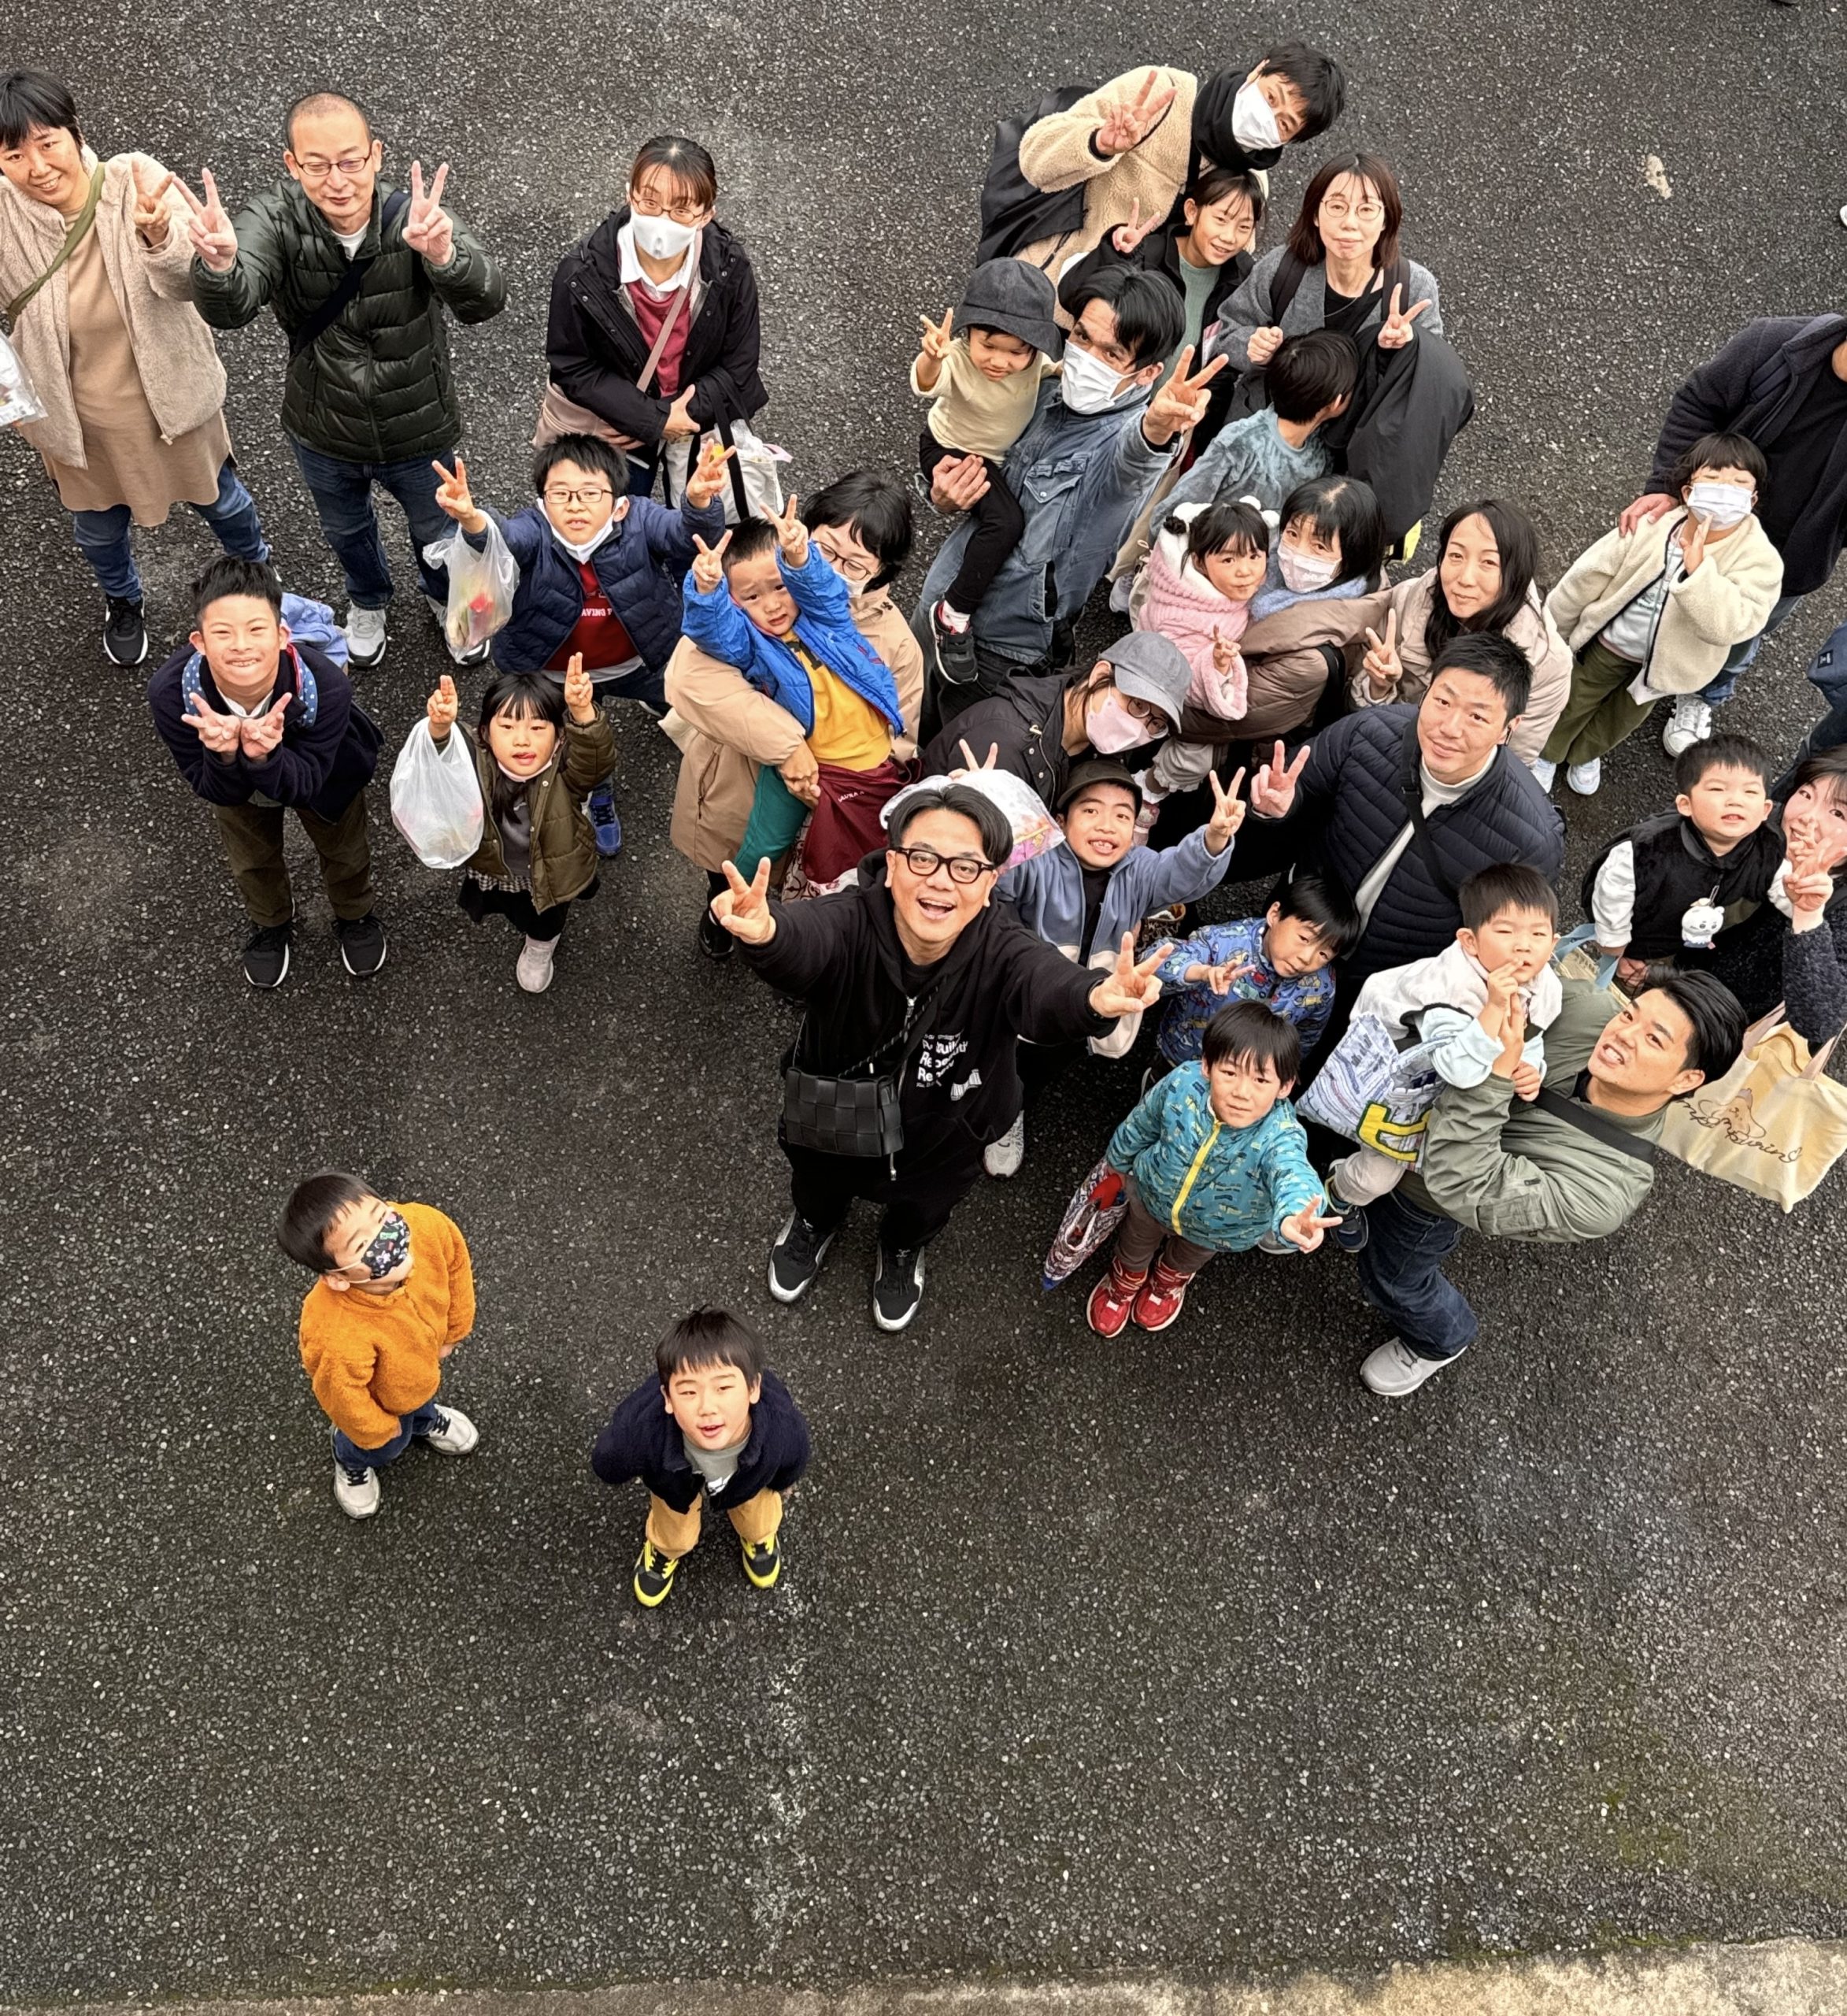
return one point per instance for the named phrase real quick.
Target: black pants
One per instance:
(1043, 1064)
(930, 1183)
(999, 522)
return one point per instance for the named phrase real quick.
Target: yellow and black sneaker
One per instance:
(653, 1576)
(763, 1562)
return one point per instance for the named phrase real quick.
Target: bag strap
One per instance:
(1587, 1119)
(668, 322)
(305, 335)
(1419, 829)
(79, 230)
(913, 1020)
(1285, 284)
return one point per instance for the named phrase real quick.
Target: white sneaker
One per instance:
(365, 637)
(1003, 1157)
(455, 1436)
(357, 1500)
(534, 970)
(1844, 213)
(1585, 778)
(1395, 1369)
(1120, 590)
(1544, 772)
(1691, 722)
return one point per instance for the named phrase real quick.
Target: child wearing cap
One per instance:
(984, 380)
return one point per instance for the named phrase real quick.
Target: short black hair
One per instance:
(229, 576)
(1497, 659)
(993, 824)
(1509, 885)
(1233, 523)
(705, 1336)
(1150, 317)
(308, 1218)
(322, 102)
(1721, 451)
(1826, 767)
(1247, 1030)
(751, 539)
(876, 509)
(1721, 752)
(1342, 507)
(588, 452)
(1716, 1013)
(1214, 184)
(1323, 906)
(1310, 371)
(1321, 81)
(35, 97)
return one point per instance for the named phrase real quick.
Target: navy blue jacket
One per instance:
(639, 565)
(329, 747)
(643, 1439)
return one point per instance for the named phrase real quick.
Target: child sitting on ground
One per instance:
(394, 1295)
(1213, 1160)
(1460, 1002)
(1670, 889)
(1284, 959)
(711, 1422)
(1083, 897)
(765, 601)
(985, 380)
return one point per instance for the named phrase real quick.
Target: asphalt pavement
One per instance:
(1185, 1656)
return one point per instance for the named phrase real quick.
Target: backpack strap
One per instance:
(1286, 284)
(305, 335)
(1599, 1126)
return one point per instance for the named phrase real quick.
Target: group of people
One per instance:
(966, 849)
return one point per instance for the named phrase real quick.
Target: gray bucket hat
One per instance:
(1010, 295)
(1150, 667)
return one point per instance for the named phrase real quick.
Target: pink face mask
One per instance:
(1112, 728)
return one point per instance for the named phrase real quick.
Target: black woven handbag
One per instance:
(849, 1114)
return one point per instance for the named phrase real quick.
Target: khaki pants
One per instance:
(252, 835)
(1364, 1176)
(674, 1533)
(1599, 712)
(1143, 1236)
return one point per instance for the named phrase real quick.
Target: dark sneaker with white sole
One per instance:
(124, 631)
(763, 1562)
(266, 954)
(605, 824)
(897, 1290)
(796, 1258)
(362, 944)
(954, 650)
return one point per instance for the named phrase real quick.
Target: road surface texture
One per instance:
(1184, 1657)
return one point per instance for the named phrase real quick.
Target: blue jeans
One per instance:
(1827, 674)
(102, 537)
(1741, 657)
(342, 495)
(427, 1419)
(1401, 1275)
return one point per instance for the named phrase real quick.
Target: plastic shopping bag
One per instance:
(1035, 831)
(481, 587)
(1100, 1204)
(18, 401)
(1374, 1093)
(436, 798)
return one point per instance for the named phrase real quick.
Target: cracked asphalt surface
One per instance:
(1187, 1657)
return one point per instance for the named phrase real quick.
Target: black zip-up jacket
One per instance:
(1675, 868)
(596, 349)
(643, 1439)
(1025, 725)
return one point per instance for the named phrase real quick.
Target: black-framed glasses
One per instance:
(594, 495)
(963, 868)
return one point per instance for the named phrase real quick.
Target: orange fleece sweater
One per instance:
(372, 1359)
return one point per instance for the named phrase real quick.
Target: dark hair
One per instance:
(1509, 885)
(308, 1218)
(1213, 184)
(1721, 752)
(523, 694)
(1321, 81)
(588, 452)
(1305, 239)
(709, 1336)
(1341, 506)
(229, 576)
(1246, 1031)
(1310, 371)
(993, 824)
(1233, 523)
(319, 102)
(1323, 906)
(686, 160)
(1150, 317)
(1824, 766)
(1498, 660)
(1717, 1015)
(1721, 451)
(1517, 543)
(751, 539)
(876, 509)
(35, 97)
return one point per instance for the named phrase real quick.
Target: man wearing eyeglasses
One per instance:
(358, 274)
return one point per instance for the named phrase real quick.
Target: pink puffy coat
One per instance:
(1175, 598)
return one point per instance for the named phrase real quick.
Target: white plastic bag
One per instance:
(436, 798)
(756, 461)
(1035, 831)
(18, 401)
(481, 587)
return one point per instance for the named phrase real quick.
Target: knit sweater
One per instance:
(373, 1358)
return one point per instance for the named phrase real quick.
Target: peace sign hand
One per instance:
(580, 699)
(208, 226)
(743, 908)
(1807, 884)
(1693, 542)
(1228, 811)
(260, 733)
(707, 478)
(220, 733)
(708, 563)
(937, 340)
(1126, 237)
(987, 763)
(791, 535)
(1125, 127)
(1306, 1229)
(439, 710)
(151, 217)
(1128, 987)
(1272, 790)
(1220, 978)
(1182, 402)
(1397, 330)
(454, 498)
(1224, 653)
(429, 229)
(1383, 667)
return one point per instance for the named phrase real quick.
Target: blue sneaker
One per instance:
(605, 824)
(1353, 1231)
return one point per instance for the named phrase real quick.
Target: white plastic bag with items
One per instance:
(18, 401)
(757, 463)
(481, 586)
(436, 798)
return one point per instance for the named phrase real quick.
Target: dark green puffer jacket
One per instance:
(378, 385)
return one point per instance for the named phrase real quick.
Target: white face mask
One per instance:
(1253, 124)
(589, 545)
(661, 238)
(1087, 384)
(1725, 504)
(1112, 728)
(1304, 572)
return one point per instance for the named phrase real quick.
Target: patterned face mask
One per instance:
(390, 1248)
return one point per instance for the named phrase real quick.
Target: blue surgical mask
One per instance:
(389, 1247)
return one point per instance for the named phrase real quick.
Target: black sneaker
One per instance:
(715, 941)
(763, 1562)
(124, 634)
(653, 1577)
(362, 944)
(1353, 1231)
(796, 1258)
(266, 954)
(954, 649)
(898, 1289)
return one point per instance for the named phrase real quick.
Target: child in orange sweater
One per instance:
(395, 1294)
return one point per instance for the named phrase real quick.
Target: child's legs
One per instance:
(346, 857)
(530, 922)
(409, 1426)
(1365, 1176)
(670, 1532)
(1597, 673)
(1614, 722)
(776, 816)
(757, 1519)
(1141, 1236)
(999, 523)
(252, 835)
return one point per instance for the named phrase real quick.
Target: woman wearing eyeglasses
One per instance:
(653, 336)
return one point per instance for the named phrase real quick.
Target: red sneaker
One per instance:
(1161, 1302)
(1107, 1312)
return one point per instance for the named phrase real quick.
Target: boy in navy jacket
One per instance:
(711, 1423)
(257, 723)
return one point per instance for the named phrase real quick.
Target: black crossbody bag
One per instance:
(305, 335)
(849, 1114)
(1587, 1119)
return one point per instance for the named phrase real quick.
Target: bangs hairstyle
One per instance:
(1305, 239)
(1716, 1014)
(1232, 527)
(1721, 752)
(30, 98)
(695, 175)
(1214, 184)
(1721, 451)
(1517, 540)
(588, 452)
(1498, 660)
(1509, 885)
(1321, 905)
(229, 576)
(317, 105)
(988, 818)
(1246, 1032)
(1150, 317)
(704, 1337)
(751, 539)
(521, 696)
(1310, 371)
(308, 1218)
(876, 509)
(1321, 81)
(1345, 508)
(1827, 772)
